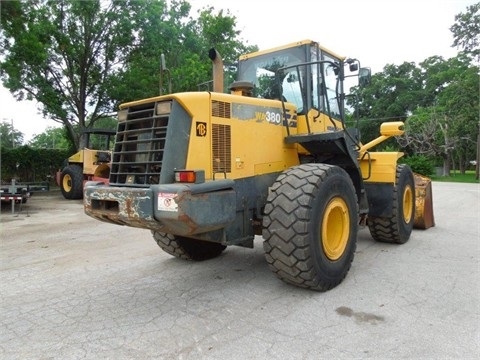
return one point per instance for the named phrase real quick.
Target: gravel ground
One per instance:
(76, 288)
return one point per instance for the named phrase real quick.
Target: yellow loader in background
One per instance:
(89, 163)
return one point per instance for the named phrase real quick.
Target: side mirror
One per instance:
(364, 76)
(394, 128)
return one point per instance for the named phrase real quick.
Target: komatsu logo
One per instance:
(263, 114)
(269, 116)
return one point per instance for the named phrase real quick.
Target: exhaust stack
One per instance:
(217, 70)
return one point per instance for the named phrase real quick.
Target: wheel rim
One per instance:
(407, 204)
(335, 228)
(67, 183)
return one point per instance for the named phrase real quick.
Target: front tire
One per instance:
(398, 227)
(187, 248)
(310, 226)
(71, 182)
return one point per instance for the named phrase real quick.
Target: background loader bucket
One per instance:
(423, 203)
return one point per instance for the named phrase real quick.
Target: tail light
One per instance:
(190, 176)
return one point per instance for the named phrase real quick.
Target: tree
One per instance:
(391, 96)
(51, 138)
(10, 137)
(218, 30)
(79, 59)
(461, 102)
(63, 53)
(466, 35)
(184, 43)
(160, 31)
(438, 100)
(466, 32)
(445, 125)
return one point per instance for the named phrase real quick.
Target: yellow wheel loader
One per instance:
(273, 157)
(90, 163)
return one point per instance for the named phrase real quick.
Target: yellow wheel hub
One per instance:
(407, 204)
(67, 183)
(335, 228)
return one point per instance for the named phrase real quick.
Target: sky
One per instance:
(377, 32)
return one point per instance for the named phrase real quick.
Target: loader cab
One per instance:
(302, 73)
(100, 139)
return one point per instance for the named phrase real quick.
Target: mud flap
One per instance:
(424, 218)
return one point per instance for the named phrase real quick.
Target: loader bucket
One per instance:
(423, 203)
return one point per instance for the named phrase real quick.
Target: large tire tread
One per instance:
(393, 229)
(75, 172)
(290, 248)
(186, 248)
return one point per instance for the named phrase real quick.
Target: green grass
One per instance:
(468, 177)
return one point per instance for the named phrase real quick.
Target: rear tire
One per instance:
(398, 227)
(187, 248)
(71, 182)
(310, 226)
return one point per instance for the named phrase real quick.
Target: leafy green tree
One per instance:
(446, 125)
(9, 136)
(435, 76)
(428, 133)
(438, 100)
(57, 137)
(466, 31)
(107, 122)
(466, 34)
(218, 30)
(461, 103)
(63, 53)
(169, 31)
(51, 138)
(391, 96)
(160, 30)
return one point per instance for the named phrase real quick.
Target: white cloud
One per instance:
(24, 115)
(377, 32)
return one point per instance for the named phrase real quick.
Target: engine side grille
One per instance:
(221, 148)
(139, 147)
(221, 109)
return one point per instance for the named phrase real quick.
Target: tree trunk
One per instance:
(478, 155)
(461, 163)
(82, 142)
(452, 164)
(446, 166)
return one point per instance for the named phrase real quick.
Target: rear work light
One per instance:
(163, 108)
(122, 115)
(190, 176)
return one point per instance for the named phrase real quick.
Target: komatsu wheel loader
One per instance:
(205, 170)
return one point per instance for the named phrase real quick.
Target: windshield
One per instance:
(320, 77)
(327, 102)
(260, 70)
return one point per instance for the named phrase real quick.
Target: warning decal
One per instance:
(166, 202)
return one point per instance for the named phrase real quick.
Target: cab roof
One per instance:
(288, 46)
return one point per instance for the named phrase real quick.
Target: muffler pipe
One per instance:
(217, 70)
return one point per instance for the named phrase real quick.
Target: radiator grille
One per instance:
(221, 109)
(221, 148)
(139, 146)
